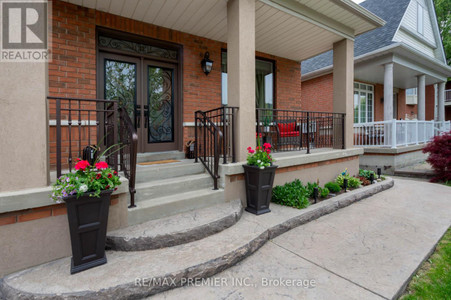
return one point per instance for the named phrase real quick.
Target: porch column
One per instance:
(421, 97)
(388, 92)
(441, 101)
(241, 71)
(343, 84)
(24, 125)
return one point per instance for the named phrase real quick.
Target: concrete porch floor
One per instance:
(366, 251)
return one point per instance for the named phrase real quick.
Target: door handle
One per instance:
(146, 115)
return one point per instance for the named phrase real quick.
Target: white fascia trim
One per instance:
(438, 37)
(289, 8)
(361, 11)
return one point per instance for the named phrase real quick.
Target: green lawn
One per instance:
(433, 279)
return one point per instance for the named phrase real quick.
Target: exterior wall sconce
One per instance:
(315, 194)
(206, 63)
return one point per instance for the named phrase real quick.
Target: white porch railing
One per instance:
(397, 133)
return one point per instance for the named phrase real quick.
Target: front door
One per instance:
(147, 90)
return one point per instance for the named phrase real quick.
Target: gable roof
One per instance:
(389, 10)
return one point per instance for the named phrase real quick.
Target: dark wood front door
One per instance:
(148, 91)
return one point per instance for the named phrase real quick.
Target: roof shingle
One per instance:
(389, 10)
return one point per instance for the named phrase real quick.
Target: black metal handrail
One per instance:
(129, 151)
(87, 120)
(292, 130)
(224, 118)
(207, 148)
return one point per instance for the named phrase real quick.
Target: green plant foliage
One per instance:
(333, 187)
(291, 194)
(367, 173)
(324, 192)
(352, 181)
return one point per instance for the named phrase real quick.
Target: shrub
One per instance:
(332, 187)
(439, 150)
(352, 181)
(291, 194)
(324, 192)
(366, 173)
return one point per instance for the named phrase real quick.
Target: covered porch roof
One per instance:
(408, 63)
(293, 29)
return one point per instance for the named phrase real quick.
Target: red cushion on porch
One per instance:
(288, 127)
(289, 133)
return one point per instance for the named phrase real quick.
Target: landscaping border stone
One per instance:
(268, 227)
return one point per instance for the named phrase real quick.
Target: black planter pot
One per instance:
(258, 188)
(88, 219)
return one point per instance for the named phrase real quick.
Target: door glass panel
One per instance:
(120, 84)
(160, 102)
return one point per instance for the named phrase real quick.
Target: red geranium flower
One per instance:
(101, 165)
(110, 175)
(266, 145)
(82, 165)
(98, 176)
(115, 172)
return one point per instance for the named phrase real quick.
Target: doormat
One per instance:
(158, 162)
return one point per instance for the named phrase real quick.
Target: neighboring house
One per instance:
(152, 57)
(400, 73)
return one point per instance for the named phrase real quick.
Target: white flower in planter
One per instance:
(84, 188)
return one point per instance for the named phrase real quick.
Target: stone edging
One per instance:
(209, 268)
(121, 243)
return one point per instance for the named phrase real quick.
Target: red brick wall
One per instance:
(317, 94)
(72, 73)
(430, 102)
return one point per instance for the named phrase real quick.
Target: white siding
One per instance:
(403, 36)
(409, 27)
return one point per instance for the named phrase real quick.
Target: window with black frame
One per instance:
(264, 82)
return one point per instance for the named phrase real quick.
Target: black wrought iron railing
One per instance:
(128, 151)
(215, 136)
(77, 123)
(292, 130)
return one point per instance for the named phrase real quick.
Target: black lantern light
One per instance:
(345, 184)
(315, 193)
(206, 63)
(372, 177)
(379, 171)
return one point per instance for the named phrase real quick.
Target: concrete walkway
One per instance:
(368, 250)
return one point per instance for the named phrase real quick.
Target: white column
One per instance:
(388, 92)
(421, 97)
(343, 85)
(241, 71)
(441, 101)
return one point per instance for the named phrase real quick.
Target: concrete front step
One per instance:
(155, 156)
(164, 171)
(156, 208)
(175, 230)
(138, 274)
(171, 186)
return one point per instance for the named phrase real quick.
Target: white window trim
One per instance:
(418, 19)
(367, 92)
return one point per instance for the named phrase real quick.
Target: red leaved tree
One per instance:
(439, 150)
